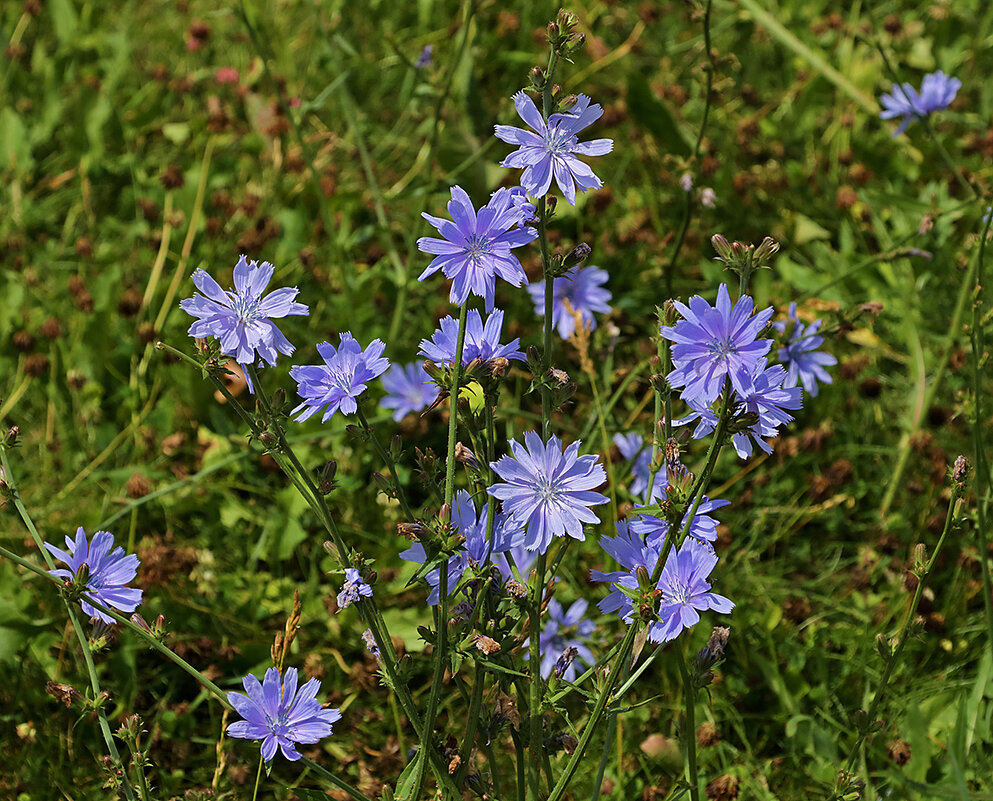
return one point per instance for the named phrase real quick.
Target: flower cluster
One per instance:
(682, 587)
(720, 345)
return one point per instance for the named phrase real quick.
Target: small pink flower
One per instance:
(227, 75)
(295, 102)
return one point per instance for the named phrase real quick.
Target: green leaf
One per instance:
(64, 19)
(654, 116)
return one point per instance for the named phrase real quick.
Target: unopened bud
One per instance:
(396, 447)
(464, 455)
(920, 559)
(565, 661)
(269, 440)
(278, 400)
(722, 246)
(10, 438)
(325, 479)
(577, 255)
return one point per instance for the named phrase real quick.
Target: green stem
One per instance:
(977, 340)
(441, 644)
(84, 642)
(534, 652)
(258, 780)
(901, 637)
(689, 735)
(387, 457)
(601, 703)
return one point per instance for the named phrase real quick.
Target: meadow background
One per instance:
(141, 140)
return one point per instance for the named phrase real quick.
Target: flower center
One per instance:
(679, 594)
(476, 247)
(280, 726)
(246, 308)
(720, 349)
(547, 491)
(557, 142)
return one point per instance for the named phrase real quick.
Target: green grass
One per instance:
(321, 161)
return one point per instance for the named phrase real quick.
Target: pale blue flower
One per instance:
(340, 380)
(108, 570)
(548, 490)
(551, 149)
(579, 290)
(277, 713)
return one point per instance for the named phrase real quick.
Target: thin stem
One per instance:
(441, 645)
(84, 642)
(977, 340)
(901, 637)
(689, 735)
(387, 457)
(258, 780)
(534, 652)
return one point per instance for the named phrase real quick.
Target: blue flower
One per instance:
(477, 548)
(353, 589)
(481, 341)
(340, 380)
(765, 396)
(108, 570)
(424, 59)
(548, 490)
(684, 589)
(634, 449)
(653, 529)
(409, 389)
(564, 629)
(519, 198)
(803, 365)
(242, 319)
(279, 715)
(579, 290)
(938, 90)
(476, 248)
(552, 149)
(712, 343)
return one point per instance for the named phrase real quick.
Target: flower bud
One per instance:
(577, 256)
(269, 440)
(565, 660)
(10, 438)
(464, 455)
(325, 479)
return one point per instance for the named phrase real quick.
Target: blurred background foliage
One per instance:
(141, 140)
